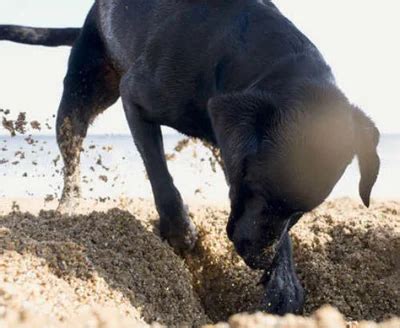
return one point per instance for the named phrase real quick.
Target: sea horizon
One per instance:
(112, 167)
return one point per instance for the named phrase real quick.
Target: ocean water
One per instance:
(111, 167)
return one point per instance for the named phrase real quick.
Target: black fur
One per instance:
(50, 37)
(240, 75)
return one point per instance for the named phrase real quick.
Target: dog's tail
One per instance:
(49, 37)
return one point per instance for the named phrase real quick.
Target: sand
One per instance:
(112, 270)
(326, 317)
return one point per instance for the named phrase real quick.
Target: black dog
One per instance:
(238, 74)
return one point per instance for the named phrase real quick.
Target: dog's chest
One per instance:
(181, 104)
(193, 121)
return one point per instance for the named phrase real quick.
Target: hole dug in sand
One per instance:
(347, 256)
(54, 267)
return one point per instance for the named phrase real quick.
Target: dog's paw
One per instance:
(181, 234)
(283, 293)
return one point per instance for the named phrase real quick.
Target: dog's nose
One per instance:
(256, 245)
(249, 247)
(245, 248)
(247, 238)
(256, 255)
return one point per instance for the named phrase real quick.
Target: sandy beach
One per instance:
(109, 268)
(273, 105)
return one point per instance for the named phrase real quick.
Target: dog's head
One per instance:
(283, 160)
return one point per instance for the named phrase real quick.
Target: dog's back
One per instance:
(241, 37)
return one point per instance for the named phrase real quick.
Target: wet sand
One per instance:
(110, 268)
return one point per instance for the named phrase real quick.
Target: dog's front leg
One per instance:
(175, 225)
(283, 291)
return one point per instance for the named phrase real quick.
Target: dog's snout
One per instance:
(243, 247)
(248, 252)
(257, 241)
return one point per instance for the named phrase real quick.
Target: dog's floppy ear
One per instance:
(235, 119)
(366, 142)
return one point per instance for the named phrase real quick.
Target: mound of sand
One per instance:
(56, 266)
(112, 270)
(326, 317)
(349, 256)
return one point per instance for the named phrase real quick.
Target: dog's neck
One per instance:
(293, 71)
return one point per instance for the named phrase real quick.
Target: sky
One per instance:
(358, 38)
